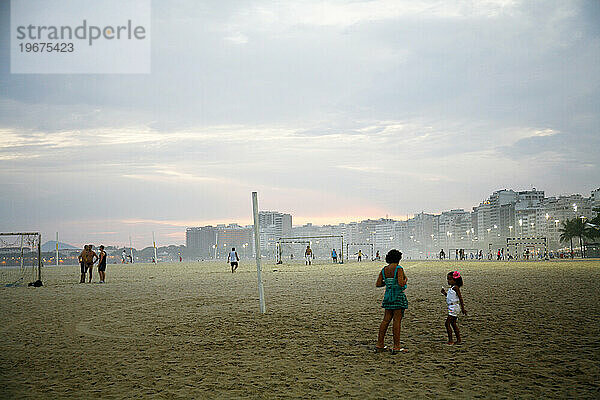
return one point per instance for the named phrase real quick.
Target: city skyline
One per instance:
(178, 228)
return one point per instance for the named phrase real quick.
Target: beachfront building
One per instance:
(555, 210)
(234, 235)
(455, 230)
(200, 242)
(272, 226)
(595, 198)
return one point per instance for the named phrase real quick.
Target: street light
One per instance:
(521, 225)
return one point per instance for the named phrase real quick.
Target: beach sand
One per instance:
(193, 330)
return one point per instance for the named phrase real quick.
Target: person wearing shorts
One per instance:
(102, 264)
(89, 258)
(233, 259)
(308, 255)
(82, 264)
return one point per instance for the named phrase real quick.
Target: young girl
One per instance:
(455, 304)
(394, 300)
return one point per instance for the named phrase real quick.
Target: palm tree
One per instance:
(581, 230)
(567, 232)
(573, 228)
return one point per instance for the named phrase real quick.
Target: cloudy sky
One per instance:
(331, 110)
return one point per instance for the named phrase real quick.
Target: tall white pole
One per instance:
(57, 249)
(21, 252)
(130, 249)
(216, 242)
(154, 244)
(261, 294)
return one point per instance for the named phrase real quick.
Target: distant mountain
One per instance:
(51, 246)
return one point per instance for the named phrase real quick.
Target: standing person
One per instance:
(233, 259)
(334, 256)
(359, 255)
(394, 300)
(455, 304)
(377, 256)
(102, 264)
(89, 258)
(308, 255)
(124, 257)
(82, 264)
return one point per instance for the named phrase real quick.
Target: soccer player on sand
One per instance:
(394, 300)
(308, 255)
(233, 259)
(102, 264)
(455, 304)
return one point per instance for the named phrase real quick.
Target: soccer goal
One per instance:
(291, 249)
(20, 258)
(525, 247)
(353, 249)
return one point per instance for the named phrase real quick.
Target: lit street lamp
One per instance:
(521, 225)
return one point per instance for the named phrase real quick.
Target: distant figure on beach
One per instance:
(442, 254)
(89, 257)
(82, 264)
(102, 264)
(359, 255)
(394, 300)
(308, 255)
(124, 257)
(233, 259)
(333, 256)
(455, 305)
(377, 256)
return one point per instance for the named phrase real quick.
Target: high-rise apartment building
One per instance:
(200, 241)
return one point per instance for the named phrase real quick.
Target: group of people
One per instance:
(393, 278)
(461, 254)
(87, 259)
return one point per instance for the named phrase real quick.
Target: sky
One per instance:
(333, 111)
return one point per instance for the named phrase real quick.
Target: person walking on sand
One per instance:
(455, 304)
(233, 259)
(394, 300)
(308, 255)
(102, 264)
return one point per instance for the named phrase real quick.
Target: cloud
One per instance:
(328, 108)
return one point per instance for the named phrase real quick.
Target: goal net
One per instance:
(20, 258)
(293, 249)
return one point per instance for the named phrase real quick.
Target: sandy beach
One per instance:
(193, 330)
